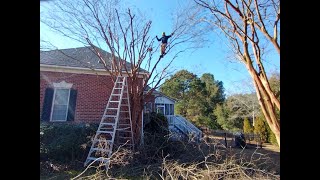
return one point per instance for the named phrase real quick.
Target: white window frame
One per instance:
(161, 106)
(60, 86)
(164, 108)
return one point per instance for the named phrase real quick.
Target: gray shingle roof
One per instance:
(82, 57)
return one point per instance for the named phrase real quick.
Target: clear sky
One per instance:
(210, 59)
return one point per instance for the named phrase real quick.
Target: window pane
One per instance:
(167, 109)
(60, 104)
(59, 112)
(61, 96)
(160, 109)
(171, 109)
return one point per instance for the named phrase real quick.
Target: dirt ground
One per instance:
(269, 153)
(266, 158)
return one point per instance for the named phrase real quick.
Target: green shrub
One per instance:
(271, 137)
(247, 128)
(158, 124)
(260, 128)
(65, 142)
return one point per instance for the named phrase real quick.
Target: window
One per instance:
(167, 109)
(171, 109)
(60, 104)
(60, 101)
(160, 108)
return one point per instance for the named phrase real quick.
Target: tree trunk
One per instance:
(265, 102)
(136, 105)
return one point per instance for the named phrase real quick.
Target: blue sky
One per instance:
(212, 58)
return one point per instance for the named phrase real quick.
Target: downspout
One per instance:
(142, 135)
(142, 118)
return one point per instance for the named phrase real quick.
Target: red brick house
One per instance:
(75, 88)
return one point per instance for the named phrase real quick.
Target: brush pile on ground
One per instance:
(163, 159)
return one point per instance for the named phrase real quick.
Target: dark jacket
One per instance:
(164, 39)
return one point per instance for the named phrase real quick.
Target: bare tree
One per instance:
(249, 25)
(105, 26)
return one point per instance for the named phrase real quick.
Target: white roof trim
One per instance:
(78, 70)
(159, 94)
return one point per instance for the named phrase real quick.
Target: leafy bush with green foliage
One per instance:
(271, 137)
(158, 124)
(261, 128)
(247, 128)
(65, 142)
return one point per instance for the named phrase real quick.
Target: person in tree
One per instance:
(164, 41)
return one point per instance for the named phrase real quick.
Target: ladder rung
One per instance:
(117, 88)
(114, 101)
(105, 132)
(116, 95)
(106, 129)
(114, 116)
(112, 108)
(112, 124)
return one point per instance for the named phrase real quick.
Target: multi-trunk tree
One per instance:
(106, 26)
(250, 26)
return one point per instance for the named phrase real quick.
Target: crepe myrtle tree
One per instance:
(250, 26)
(125, 34)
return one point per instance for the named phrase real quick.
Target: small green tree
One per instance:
(247, 128)
(271, 137)
(260, 128)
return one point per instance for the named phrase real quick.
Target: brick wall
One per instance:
(93, 92)
(92, 97)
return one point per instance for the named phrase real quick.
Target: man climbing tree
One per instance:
(164, 40)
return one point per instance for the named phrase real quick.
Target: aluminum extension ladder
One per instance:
(115, 127)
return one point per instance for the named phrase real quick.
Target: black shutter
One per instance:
(47, 104)
(72, 105)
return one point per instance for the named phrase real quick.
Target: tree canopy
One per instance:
(196, 97)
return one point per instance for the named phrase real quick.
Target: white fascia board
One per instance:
(79, 70)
